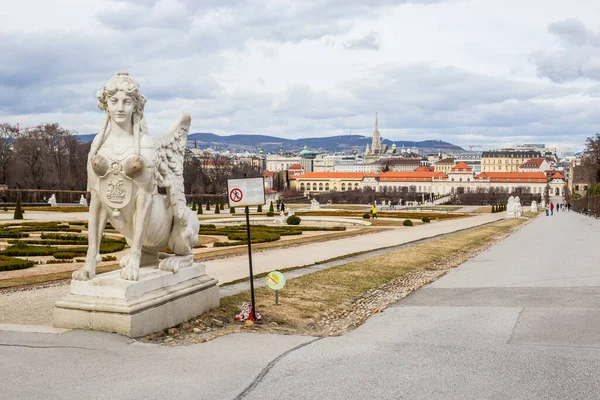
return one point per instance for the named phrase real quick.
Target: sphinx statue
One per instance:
(126, 167)
(511, 208)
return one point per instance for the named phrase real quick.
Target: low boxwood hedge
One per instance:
(11, 264)
(407, 222)
(64, 255)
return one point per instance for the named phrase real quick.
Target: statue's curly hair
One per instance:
(122, 82)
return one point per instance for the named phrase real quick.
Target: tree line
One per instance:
(50, 157)
(47, 156)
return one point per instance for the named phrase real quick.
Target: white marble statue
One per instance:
(314, 205)
(125, 168)
(510, 208)
(518, 208)
(52, 201)
(83, 201)
(534, 206)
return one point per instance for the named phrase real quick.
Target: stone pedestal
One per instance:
(158, 300)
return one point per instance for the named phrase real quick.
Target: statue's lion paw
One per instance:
(131, 272)
(83, 274)
(169, 264)
(124, 261)
(98, 257)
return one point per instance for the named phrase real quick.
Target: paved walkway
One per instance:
(519, 321)
(36, 306)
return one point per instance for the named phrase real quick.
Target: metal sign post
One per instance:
(276, 281)
(250, 263)
(243, 193)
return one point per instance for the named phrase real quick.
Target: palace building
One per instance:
(459, 179)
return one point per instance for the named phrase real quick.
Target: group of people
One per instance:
(558, 206)
(280, 205)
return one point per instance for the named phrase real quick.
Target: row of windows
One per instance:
(325, 186)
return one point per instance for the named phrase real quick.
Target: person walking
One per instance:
(374, 211)
(278, 205)
(282, 206)
(551, 208)
(547, 210)
(568, 206)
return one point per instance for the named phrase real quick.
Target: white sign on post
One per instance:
(246, 192)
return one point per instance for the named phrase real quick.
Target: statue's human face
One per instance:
(120, 107)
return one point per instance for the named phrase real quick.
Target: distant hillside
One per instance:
(272, 144)
(330, 143)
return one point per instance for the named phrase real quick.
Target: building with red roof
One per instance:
(537, 164)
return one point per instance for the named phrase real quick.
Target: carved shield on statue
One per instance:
(116, 190)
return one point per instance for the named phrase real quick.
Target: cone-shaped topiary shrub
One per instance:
(18, 210)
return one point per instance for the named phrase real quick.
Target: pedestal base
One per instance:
(156, 301)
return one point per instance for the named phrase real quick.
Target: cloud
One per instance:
(368, 42)
(578, 57)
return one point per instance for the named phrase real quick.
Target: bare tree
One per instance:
(8, 135)
(57, 147)
(30, 147)
(592, 155)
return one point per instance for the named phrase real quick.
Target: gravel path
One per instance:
(31, 306)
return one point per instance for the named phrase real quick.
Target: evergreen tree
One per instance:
(271, 208)
(232, 210)
(18, 210)
(259, 208)
(222, 206)
(208, 205)
(194, 206)
(200, 207)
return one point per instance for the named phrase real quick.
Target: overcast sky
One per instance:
(480, 72)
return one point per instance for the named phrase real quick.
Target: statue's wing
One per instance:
(170, 153)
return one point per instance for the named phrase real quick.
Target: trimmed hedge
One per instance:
(407, 222)
(13, 234)
(426, 220)
(367, 216)
(11, 264)
(66, 255)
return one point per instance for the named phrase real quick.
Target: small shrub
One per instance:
(109, 258)
(232, 210)
(80, 260)
(222, 206)
(270, 213)
(200, 208)
(366, 216)
(217, 209)
(424, 219)
(5, 208)
(271, 210)
(407, 222)
(194, 206)
(259, 208)
(208, 205)
(293, 220)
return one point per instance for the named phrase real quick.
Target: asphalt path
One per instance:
(519, 321)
